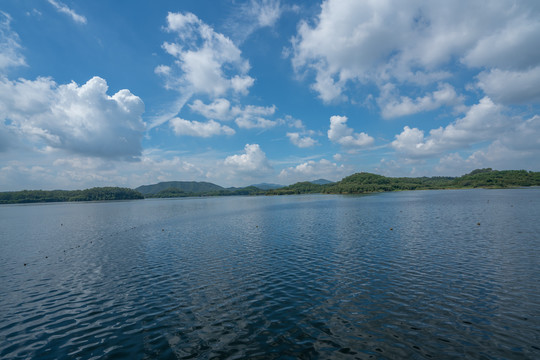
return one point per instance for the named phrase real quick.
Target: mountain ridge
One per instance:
(185, 186)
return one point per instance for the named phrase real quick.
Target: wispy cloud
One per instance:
(63, 8)
(254, 15)
(10, 54)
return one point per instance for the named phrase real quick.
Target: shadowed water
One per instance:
(424, 274)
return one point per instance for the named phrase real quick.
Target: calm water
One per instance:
(425, 274)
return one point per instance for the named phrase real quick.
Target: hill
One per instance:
(361, 183)
(267, 186)
(321, 182)
(188, 187)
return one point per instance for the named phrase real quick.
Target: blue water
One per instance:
(423, 274)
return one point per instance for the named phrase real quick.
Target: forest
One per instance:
(93, 194)
(359, 183)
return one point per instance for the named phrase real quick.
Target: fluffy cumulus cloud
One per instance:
(246, 117)
(250, 164)
(516, 148)
(351, 42)
(302, 141)
(340, 133)
(79, 119)
(313, 170)
(394, 106)
(483, 122)
(219, 109)
(511, 86)
(207, 62)
(200, 129)
(10, 53)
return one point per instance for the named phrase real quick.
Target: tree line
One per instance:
(93, 194)
(359, 183)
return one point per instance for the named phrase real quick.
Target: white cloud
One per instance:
(162, 70)
(66, 10)
(70, 171)
(512, 44)
(10, 54)
(208, 62)
(392, 107)
(516, 148)
(247, 117)
(219, 109)
(301, 141)
(351, 42)
(252, 163)
(313, 170)
(482, 122)
(267, 12)
(80, 119)
(340, 133)
(199, 129)
(292, 122)
(252, 116)
(254, 122)
(252, 16)
(511, 87)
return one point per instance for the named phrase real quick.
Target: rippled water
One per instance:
(424, 274)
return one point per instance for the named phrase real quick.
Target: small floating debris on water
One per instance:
(478, 223)
(24, 264)
(391, 229)
(162, 229)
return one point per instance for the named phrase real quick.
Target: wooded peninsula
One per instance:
(359, 183)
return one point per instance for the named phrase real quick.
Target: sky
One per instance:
(128, 93)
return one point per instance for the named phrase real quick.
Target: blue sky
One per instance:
(126, 93)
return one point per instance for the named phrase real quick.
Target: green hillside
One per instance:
(361, 183)
(188, 187)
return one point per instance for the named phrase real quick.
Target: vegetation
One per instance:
(175, 192)
(488, 178)
(360, 183)
(190, 187)
(94, 194)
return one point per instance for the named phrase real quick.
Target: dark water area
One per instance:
(419, 275)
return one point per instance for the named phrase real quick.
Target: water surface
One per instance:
(423, 274)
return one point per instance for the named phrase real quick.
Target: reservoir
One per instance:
(417, 274)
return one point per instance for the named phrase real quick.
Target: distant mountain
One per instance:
(267, 186)
(193, 187)
(321, 182)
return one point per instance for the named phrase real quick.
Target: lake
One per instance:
(418, 274)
